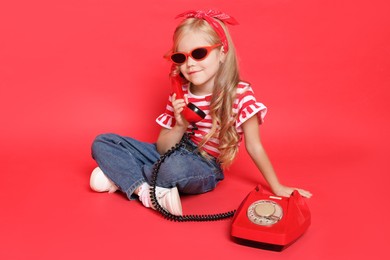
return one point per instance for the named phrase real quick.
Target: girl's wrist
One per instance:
(180, 129)
(276, 188)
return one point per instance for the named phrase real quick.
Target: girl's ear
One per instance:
(222, 55)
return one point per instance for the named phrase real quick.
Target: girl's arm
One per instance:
(170, 137)
(259, 156)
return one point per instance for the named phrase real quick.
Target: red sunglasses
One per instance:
(198, 54)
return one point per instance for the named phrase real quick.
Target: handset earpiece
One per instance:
(191, 112)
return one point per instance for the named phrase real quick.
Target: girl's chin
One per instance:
(197, 81)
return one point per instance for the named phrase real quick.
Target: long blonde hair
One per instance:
(224, 92)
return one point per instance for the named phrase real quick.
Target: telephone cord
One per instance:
(164, 212)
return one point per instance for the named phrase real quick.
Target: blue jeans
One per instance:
(129, 163)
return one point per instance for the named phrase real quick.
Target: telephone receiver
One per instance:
(191, 112)
(270, 222)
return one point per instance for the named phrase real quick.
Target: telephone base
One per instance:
(270, 222)
(260, 245)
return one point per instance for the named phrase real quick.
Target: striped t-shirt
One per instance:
(245, 106)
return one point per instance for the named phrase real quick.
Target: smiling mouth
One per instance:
(192, 72)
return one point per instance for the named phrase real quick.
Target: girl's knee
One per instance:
(105, 138)
(102, 141)
(197, 184)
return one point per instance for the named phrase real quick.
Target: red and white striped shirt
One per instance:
(245, 106)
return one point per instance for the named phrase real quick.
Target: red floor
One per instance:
(67, 73)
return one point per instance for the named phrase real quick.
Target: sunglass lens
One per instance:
(178, 58)
(199, 53)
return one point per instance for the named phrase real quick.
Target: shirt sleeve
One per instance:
(167, 119)
(247, 106)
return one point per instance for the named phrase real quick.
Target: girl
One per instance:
(203, 53)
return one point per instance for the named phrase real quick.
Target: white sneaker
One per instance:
(100, 183)
(169, 199)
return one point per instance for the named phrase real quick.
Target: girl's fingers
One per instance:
(304, 193)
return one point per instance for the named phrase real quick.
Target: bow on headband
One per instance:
(210, 16)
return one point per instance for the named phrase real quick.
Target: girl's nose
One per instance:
(190, 61)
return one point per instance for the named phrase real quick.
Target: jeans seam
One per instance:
(130, 191)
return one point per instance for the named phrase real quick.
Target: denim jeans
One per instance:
(129, 163)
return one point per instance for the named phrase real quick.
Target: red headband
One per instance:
(210, 16)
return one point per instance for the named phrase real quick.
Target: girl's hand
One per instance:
(178, 107)
(287, 191)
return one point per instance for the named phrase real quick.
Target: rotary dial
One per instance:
(265, 212)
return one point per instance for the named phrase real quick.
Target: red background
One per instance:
(70, 70)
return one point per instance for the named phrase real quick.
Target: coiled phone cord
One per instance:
(170, 216)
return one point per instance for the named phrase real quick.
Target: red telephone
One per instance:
(191, 112)
(270, 222)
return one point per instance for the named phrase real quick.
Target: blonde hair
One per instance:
(224, 92)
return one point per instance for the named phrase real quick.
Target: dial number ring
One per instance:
(265, 212)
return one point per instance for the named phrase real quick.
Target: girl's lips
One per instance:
(192, 72)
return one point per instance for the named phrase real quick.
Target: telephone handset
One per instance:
(191, 112)
(270, 222)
